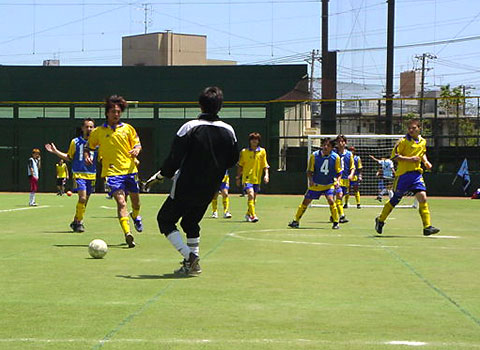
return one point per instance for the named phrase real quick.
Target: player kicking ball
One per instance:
(410, 153)
(323, 173)
(118, 147)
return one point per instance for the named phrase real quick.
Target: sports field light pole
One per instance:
(389, 72)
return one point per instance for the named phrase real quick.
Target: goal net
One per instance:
(375, 190)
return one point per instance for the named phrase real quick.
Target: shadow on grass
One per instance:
(58, 232)
(165, 276)
(394, 236)
(120, 245)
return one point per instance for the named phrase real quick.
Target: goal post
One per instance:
(379, 146)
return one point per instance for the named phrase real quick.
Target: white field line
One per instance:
(26, 208)
(105, 207)
(375, 246)
(448, 345)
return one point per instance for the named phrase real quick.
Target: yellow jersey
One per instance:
(409, 147)
(113, 147)
(253, 162)
(61, 171)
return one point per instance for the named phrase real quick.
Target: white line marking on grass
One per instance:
(26, 208)
(105, 207)
(406, 342)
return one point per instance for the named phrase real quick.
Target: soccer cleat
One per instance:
(430, 230)
(214, 215)
(379, 198)
(190, 267)
(331, 219)
(247, 218)
(335, 226)
(73, 226)
(129, 240)
(32, 204)
(294, 224)
(359, 206)
(80, 228)
(137, 222)
(379, 226)
(345, 205)
(227, 215)
(343, 220)
(253, 218)
(108, 196)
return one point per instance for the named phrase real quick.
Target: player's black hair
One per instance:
(115, 100)
(88, 120)
(414, 121)
(211, 100)
(329, 141)
(255, 136)
(341, 137)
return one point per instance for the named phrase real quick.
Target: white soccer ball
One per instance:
(97, 248)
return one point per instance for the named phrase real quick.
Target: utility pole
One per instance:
(390, 67)
(312, 60)
(423, 57)
(146, 21)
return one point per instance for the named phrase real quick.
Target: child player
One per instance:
(251, 166)
(83, 175)
(409, 152)
(385, 174)
(357, 178)
(323, 174)
(348, 171)
(223, 190)
(62, 176)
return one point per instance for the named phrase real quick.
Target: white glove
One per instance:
(155, 178)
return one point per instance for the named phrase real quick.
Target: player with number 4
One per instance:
(323, 173)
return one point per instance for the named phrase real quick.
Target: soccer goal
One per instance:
(379, 146)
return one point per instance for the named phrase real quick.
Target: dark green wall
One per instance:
(178, 83)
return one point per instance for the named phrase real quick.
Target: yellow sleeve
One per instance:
(134, 139)
(398, 149)
(93, 139)
(360, 166)
(352, 163)
(311, 163)
(264, 163)
(71, 150)
(338, 165)
(241, 161)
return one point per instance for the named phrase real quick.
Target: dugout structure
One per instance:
(380, 146)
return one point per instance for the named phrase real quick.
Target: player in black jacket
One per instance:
(202, 151)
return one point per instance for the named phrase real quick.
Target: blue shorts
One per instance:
(128, 183)
(409, 182)
(310, 194)
(341, 189)
(354, 183)
(224, 186)
(256, 187)
(84, 185)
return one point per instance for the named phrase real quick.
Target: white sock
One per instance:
(194, 245)
(176, 239)
(32, 197)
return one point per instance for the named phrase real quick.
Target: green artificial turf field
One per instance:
(263, 286)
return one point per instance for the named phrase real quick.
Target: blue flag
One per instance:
(463, 173)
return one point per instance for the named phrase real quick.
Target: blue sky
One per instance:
(88, 32)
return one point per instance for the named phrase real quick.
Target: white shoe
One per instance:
(214, 215)
(227, 215)
(247, 218)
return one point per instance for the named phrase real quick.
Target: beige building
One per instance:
(167, 49)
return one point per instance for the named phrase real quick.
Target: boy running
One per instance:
(62, 176)
(323, 174)
(409, 152)
(251, 166)
(118, 147)
(223, 190)
(83, 174)
(357, 178)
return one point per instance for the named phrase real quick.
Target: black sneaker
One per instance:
(345, 205)
(379, 226)
(359, 206)
(331, 218)
(343, 220)
(190, 267)
(80, 228)
(335, 226)
(129, 240)
(430, 230)
(379, 198)
(74, 226)
(294, 224)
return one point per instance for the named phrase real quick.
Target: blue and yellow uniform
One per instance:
(324, 170)
(83, 175)
(225, 182)
(252, 162)
(409, 174)
(346, 158)
(408, 177)
(357, 164)
(114, 145)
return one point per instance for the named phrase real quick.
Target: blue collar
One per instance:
(255, 150)
(105, 125)
(409, 138)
